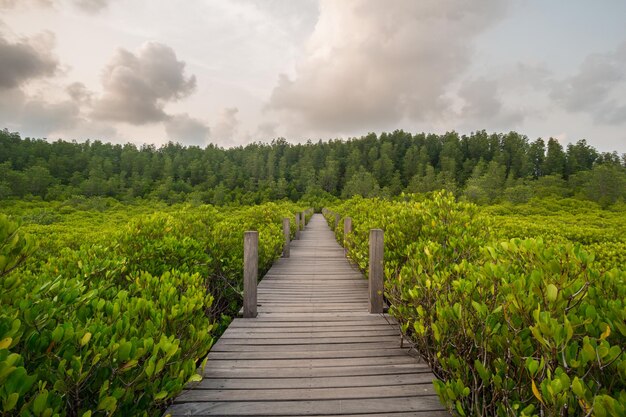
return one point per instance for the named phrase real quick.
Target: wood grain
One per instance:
(313, 349)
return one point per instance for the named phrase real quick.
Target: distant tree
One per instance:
(606, 184)
(554, 162)
(549, 185)
(362, 183)
(426, 182)
(580, 157)
(537, 157)
(37, 180)
(486, 186)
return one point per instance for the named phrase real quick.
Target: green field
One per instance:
(504, 263)
(108, 309)
(519, 310)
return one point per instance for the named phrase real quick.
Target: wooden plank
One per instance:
(308, 363)
(325, 382)
(375, 277)
(250, 273)
(328, 407)
(428, 413)
(299, 394)
(286, 237)
(307, 341)
(291, 335)
(319, 372)
(308, 329)
(313, 348)
(327, 354)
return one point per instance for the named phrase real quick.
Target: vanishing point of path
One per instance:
(313, 350)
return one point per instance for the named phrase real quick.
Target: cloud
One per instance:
(89, 6)
(267, 130)
(187, 130)
(42, 117)
(596, 87)
(26, 59)
(11, 103)
(79, 93)
(368, 65)
(34, 116)
(483, 104)
(136, 87)
(227, 125)
(10, 4)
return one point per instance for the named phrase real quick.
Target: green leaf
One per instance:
(85, 339)
(551, 292)
(160, 395)
(578, 388)
(11, 401)
(6, 342)
(40, 402)
(195, 378)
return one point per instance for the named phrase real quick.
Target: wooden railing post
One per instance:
(337, 218)
(376, 271)
(347, 229)
(297, 226)
(303, 220)
(250, 273)
(287, 235)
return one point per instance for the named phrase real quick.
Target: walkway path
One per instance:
(313, 349)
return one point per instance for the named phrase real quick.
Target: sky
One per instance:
(231, 72)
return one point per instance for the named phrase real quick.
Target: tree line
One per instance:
(483, 167)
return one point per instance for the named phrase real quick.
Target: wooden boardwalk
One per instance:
(313, 349)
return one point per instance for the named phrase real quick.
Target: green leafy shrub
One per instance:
(510, 328)
(115, 321)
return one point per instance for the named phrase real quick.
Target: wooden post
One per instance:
(287, 234)
(347, 229)
(297, 226)
(337, 218)
(250, 273)
(303, 219)
(376, 271)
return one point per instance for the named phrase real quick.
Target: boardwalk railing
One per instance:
(310, 347)
(376, 259)
(251, 260)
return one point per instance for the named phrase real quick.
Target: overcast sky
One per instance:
(235, 71)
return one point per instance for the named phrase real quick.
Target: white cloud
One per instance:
(369, 65)
(187, 130)
(597, 88)
(136, 87)
(89, 6)
(26, 59)
(227, 125)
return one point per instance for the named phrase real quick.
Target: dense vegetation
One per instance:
(482, 167)
(107, 309)
(120, 276)
(519, 310)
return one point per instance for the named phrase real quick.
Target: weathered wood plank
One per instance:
(308, 363)
(250, 273)
(313, 349)
(325, 382)
(328, 354)
(328, 407)
(308, 393)
(319, 372)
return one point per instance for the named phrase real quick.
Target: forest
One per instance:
(481, 167)
(120, 266)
